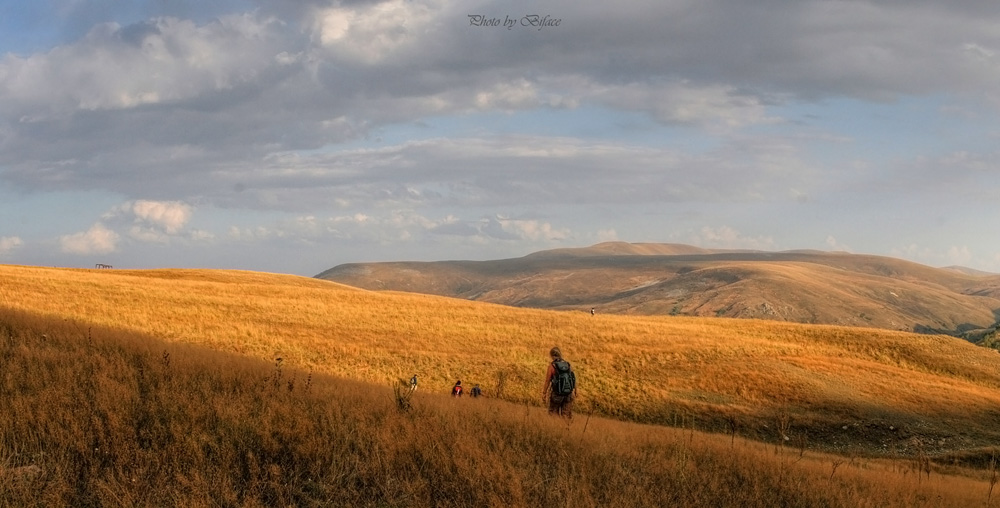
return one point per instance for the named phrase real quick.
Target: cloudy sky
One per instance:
(294, 135)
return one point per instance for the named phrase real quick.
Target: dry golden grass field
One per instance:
(161, 387)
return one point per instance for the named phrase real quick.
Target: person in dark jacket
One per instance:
(559, 404)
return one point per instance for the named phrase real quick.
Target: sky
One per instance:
(291, 136)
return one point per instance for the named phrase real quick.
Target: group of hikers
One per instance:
(456, 391)
(558, 390)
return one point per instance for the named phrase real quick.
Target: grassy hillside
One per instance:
(839, 388)
(667, 279)
(96, 416)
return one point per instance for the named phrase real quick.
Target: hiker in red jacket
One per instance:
(456, 391)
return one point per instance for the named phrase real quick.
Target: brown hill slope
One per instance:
(658, 279)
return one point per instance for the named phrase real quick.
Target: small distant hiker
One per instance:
(413, 383)
(456, 391)
(559, 389)
(476, 392)
(591, 311)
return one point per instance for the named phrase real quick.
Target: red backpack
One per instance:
(456, 391)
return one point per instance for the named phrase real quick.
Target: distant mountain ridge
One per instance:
(659, 279)
(628, 249)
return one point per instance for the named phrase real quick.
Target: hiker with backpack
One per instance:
(559, 389)
(456, 391)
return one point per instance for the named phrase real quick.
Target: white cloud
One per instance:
(163, 60)
(515, 170)
(234, 90)
(912, 252)
(147, 235)
(977, 51)
(716, 107)
(798, 196)
(144, 221)
(372, 32)
(835, 245)
(533, 230)
(150, 221)
(672, 107)
(199, 235)
(963, 175)
(514, 95)
(959, 255)
(254, 234)
(96, 240)
(725, 237)
(607, 235)
(402, 227)
(952, 256)
(171, 216)
(9, 243)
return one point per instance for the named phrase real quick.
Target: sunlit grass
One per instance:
(104, 417)
(644, 369)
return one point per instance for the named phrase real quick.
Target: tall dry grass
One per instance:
(113, 418)
(843, 387)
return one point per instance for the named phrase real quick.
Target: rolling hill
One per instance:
(138, 387)
(668, 279)
(96, 416)
(647, 369)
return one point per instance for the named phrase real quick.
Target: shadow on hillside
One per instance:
(965, 331)
(961, 330)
